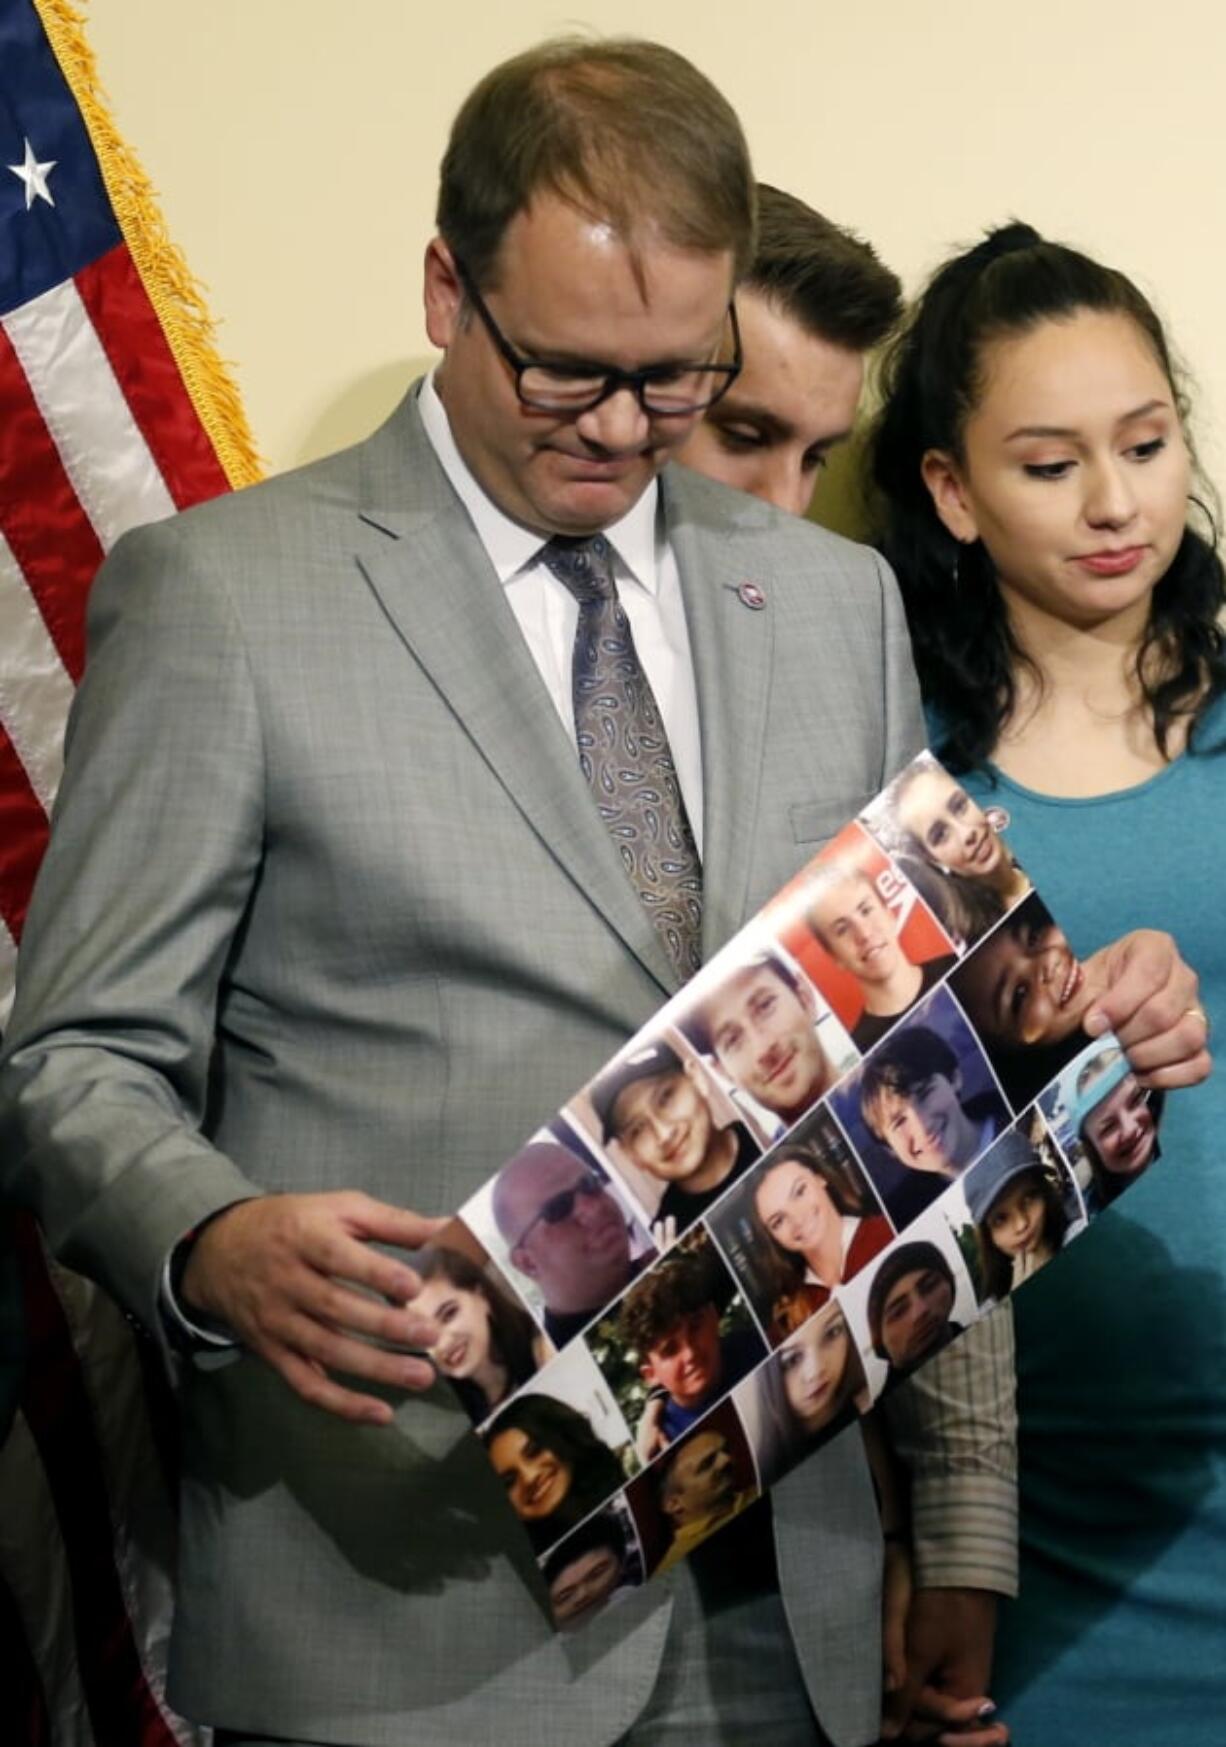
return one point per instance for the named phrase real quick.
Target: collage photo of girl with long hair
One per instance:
(868, 1120)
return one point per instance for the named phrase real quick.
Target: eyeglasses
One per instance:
(561, 1206)
(565, 386)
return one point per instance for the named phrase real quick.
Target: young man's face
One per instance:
(664, 1124)
(925, 1127)
(857, 928)
(702, 1479)
(566, 290)
(914, 1316)
(686, 1361)
(584, 1585)
(762, 1033)
(796, 397)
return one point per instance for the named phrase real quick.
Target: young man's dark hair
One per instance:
(682, 1283)
(671, 1321)
(826, 278)
(902, 1065)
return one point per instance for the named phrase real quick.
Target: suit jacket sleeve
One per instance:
(156, 843)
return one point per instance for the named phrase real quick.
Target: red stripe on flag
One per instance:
(23, 837)
(23, 1704)
(40, 516)
(132, 338)
(122, 1706)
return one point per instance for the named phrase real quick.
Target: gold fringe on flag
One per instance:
(169, 283)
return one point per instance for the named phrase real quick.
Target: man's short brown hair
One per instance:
(626, 130)
(825, 278)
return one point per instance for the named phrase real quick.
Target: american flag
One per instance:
(114, 410)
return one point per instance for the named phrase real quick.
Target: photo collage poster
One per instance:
(856, 1130)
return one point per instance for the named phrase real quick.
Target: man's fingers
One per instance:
(336, 1240)
(338, 1304)
(337, 1350)
(316, 1387)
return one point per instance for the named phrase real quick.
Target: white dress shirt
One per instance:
(648, 587)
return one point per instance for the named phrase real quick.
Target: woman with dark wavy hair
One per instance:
(554, 1467)
(1064, 595)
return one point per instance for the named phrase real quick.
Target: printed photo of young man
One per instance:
(595, 1566)
(862, 933)
(679, 1341)
(667, 1119)
(697, 1487)
(922, 1107)
(773, 1037)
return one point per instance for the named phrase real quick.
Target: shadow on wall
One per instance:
(361, 408)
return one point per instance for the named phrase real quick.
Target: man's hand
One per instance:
(1151, 1001)
(950, 1633)
(296, 1280)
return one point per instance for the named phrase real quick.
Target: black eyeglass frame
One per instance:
(614, 378)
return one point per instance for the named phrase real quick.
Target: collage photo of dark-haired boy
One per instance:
(815, 1167)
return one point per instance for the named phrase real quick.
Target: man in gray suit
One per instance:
(330, 901)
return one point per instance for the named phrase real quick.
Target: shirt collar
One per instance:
(512, 548)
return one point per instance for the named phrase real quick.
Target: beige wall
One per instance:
(295, 145)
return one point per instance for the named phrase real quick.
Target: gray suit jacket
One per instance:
(327, 905)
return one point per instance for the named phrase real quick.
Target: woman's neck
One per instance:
(1084, 697)
(826, 1262)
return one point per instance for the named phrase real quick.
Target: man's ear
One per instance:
(943, 477)
(442, 294)
(647, 1372)
(524, 1261)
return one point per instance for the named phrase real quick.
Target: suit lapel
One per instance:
(731, 642)
(436, 585)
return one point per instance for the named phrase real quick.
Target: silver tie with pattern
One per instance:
(625, 754)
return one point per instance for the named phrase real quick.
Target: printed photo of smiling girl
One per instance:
(1106, 1121)
(800, 1224)
(553, 1456)
(487, 1345)
(1024, 1208)
(1026, 994)
(595, 1566)
(949, 847)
